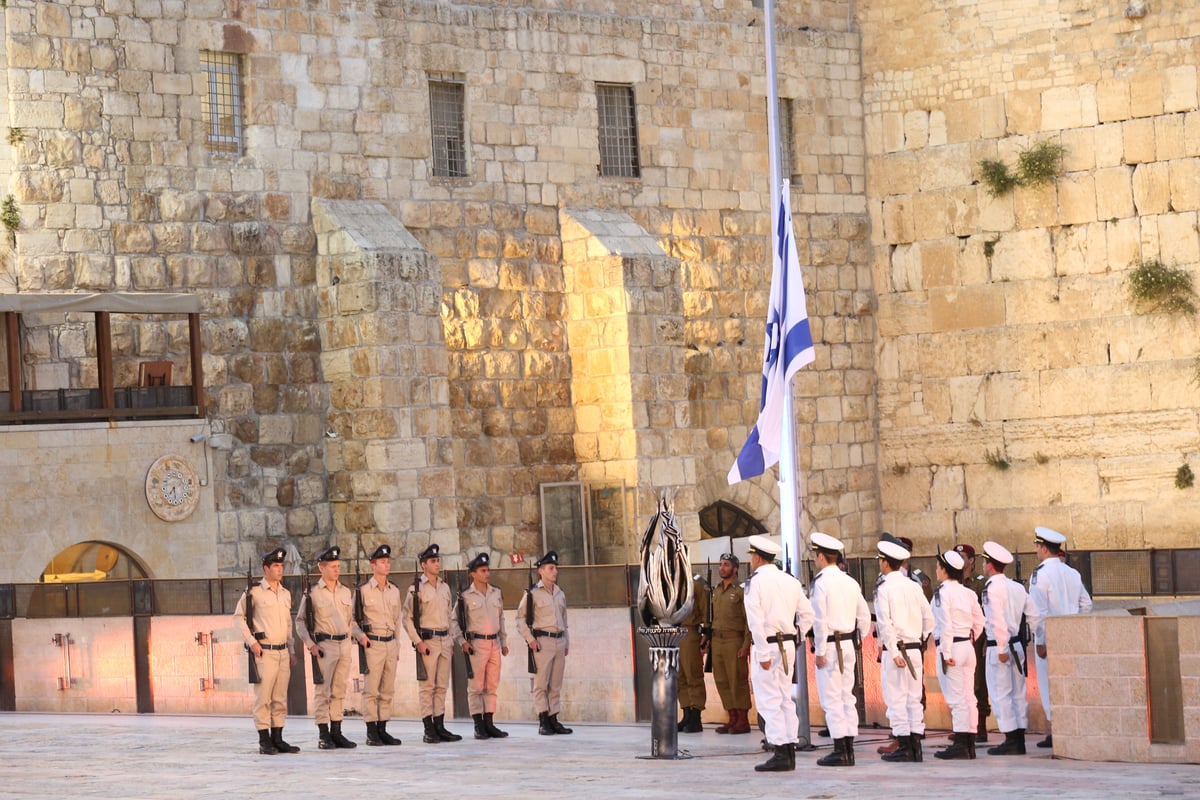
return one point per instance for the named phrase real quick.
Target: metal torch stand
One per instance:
(664, 696)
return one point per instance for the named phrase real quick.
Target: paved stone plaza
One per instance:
(120, 756)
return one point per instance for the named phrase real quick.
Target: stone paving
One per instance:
(160, 756)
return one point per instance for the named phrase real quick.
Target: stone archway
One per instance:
(92, 561)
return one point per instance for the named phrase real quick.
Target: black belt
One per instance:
(329, 637)
(272, 646)
(992, 642)
(551, 634)
(783, 637)
(936, 642)
(907, 646)
(426, 633)
(488, 636)
(840, 637)
(375, 638)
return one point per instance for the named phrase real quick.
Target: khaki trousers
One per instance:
(270, 693)
(481, 692)
(379, 686)
(730, 673)
(551, 661)
(329, 698)
(432, 693)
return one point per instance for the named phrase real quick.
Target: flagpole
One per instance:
(789, 518)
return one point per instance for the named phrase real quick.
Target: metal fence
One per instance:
(1105, 573)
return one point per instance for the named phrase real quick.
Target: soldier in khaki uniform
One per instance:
(330, 641)
(434, 639)
(545, 631)
(692, 694)
(730, 643)
(268, 634)
(381, 612)
(484, 641)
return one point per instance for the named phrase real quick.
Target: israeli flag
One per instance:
(789, 346)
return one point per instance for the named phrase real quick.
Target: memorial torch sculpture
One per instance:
(664, 599)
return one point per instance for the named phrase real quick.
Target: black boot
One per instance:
(1010, 746)
(544, 727)
(280, 744)
(480, 731)
(692, 723)
(849, 750)
(335, 733)
(373, 739)
(685, 721)
(558, 726)
(491, 729)
(835, 759)
(783, 760)
(384, 736)
(981, 733)
(969, 740)
(431, 734)
(957, 750)
(439, 725)
(265, 745)
(914, 747)
(1047, 742)
(324, 741)
(903, 752)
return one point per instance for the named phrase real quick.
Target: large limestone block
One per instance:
(1114, 192)
(966, 307)
(1179, 88)
(1152, 188)
(1179, 242)
(1081, 249)
(1068, 107)
(1021, 255)
(1139, 141)
(1076, 198)
(1184, 179)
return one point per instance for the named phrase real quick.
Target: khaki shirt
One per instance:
(729, 610)
(484, 613)
(272, 616)
(437, 607)
(333, 613)
(549, 613)
(381, 608)
(699, 615)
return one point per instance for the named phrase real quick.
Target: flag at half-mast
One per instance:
(789, 346)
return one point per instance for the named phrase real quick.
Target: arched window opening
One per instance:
(92, 561)
(725, 519)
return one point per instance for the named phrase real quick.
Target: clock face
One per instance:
(172, 488)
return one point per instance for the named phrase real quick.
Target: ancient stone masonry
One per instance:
(1018, 385)
(349, 419)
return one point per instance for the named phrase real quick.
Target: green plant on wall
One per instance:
(1159, 288)
(10, 215)
(1036, 165)
(15, 136)
(1184, 477)
(995, 459)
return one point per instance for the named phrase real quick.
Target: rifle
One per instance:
(310, 621)
(360, 616)
(466, 632)
(708, 623)
(251, 665)
(422, 673)
(531, 667)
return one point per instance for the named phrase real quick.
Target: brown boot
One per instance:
(726, 726)
(742, 725)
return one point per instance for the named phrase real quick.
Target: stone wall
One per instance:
(118, 190)
(1018, 384)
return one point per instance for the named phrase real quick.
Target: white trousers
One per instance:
(1006, 689)
(836, 691)
(773, 697)
(958, 687)
(902, 693)
(1043, 679)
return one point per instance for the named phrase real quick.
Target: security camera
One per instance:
(198, 437)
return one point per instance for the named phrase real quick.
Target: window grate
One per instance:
(223, 102)
(618, 131)
(447, 98)
(787, 139)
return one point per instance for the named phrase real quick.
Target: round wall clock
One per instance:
(172, 488)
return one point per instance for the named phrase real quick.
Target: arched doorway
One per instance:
(92, 561)
(722, 519)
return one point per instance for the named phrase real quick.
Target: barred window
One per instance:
(447, 115)
(787, 139)
(618, 131)
(223, 102)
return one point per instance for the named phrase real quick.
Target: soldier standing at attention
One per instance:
(1004, 602)
(268, 634)
(329, 641)
(778, 614)
(1057, 590)
(381, 610)
(842, 619)
(484, 641)
(957, 622)
(692, 694)
(730, 645)
(975, 584)
(545, 631)
(434, 640)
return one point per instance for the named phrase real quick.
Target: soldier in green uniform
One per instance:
(730, 643)
(692, 694)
